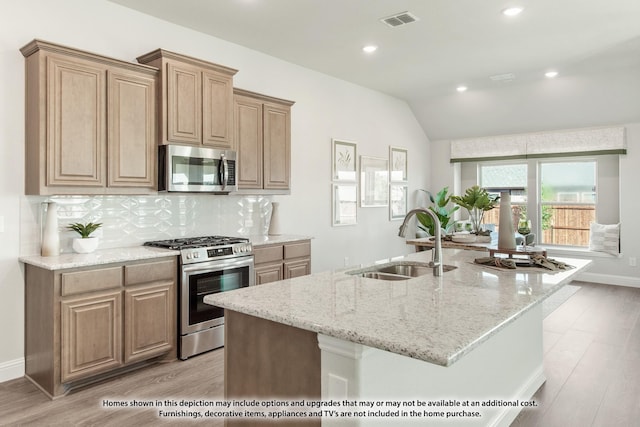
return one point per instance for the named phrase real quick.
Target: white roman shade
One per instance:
(579, 142)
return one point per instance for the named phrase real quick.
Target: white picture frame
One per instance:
(344, 204)
(374, 182)
(398, 201)
(344, 160)
(398, 164)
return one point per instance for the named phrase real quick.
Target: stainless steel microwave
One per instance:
(182, 168)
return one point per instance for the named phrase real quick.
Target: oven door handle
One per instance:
(217, 265)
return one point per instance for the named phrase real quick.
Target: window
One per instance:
(560, 196)
(567, 202)
(497, 178)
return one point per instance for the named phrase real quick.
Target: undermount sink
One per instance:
(398, 270)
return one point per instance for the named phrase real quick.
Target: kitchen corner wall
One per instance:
(325, 108)
(133, 220)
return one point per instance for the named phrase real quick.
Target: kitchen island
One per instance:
(468, 343)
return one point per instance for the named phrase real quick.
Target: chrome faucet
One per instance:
(437, 249)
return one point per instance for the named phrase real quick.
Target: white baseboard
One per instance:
(609, 279)
(526, 392)
(11, 369)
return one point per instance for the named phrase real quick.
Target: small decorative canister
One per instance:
(506, 232)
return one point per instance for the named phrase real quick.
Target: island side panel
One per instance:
(508, 366)
(269, 360)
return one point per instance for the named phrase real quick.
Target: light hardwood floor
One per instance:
(591, 361)
(592, 364)
(201, 377)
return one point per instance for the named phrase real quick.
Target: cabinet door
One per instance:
(184, 104)
(91, 335)
(217, 110)
(277, 146)
(248, 139)
(132, 144)
(297, 268)
(76, 114)
(268, 273)
(148, 321)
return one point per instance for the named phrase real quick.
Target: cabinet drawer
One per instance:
(297, 250)
(267, 254)
(150, 272)
(78, 282)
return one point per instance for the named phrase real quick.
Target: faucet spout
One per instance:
(437, 249)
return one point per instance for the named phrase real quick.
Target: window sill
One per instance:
(578, 252)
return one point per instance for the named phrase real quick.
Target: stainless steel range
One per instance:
(208, 265)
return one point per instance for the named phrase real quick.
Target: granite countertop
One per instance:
(276, 239)
(108, 256)
(101, 256)
(435, 319)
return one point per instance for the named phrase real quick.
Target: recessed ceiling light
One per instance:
(551, 74)
(512, 11)
(461, 88)
(370, 48)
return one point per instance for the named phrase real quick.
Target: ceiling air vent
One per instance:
(400, 19)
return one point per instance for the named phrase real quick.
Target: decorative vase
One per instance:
(50, 236)
(274, 223)
(506, 232)
(85, 245)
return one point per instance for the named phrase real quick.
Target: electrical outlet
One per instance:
(633, 261)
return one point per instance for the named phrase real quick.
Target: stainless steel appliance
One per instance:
(182, 168)
(207, 265)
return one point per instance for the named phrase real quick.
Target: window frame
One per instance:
(534, 182)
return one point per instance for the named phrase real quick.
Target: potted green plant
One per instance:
(85, 244)
(476, 200)
(443, 210)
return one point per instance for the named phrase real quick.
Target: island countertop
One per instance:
(434, 319)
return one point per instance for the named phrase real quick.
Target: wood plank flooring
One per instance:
(592, 364)
(591, 360)
(201, 377)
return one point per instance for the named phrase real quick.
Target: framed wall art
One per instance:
(344, 155)
(398, 201)
(398, 164)
(374, 182)
(344, 204)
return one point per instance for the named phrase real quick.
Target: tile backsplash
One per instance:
(133, 220)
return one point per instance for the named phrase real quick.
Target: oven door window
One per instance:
(203, 284)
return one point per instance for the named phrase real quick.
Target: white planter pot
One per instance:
(85, 246)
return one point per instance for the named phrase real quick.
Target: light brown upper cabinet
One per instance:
(263, 141)
(196, 100)
(90, 123)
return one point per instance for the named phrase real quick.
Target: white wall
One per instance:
(325, 108)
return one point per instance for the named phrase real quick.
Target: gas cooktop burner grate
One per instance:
(196, 242)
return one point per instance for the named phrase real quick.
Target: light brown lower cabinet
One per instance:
(87, 323)
(282, 261)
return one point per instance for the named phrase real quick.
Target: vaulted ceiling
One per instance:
(501, 60)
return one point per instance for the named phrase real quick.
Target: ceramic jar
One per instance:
(274, 224)
(50, 237)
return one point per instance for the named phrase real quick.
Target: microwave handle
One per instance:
(224, 171)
